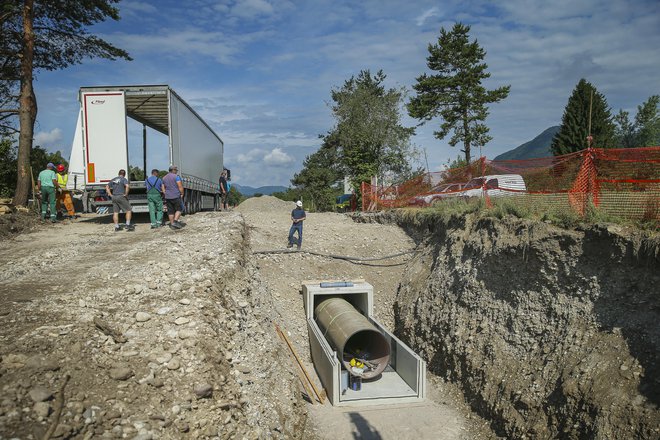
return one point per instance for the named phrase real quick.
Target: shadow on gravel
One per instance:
(138, 219)
(363, 429)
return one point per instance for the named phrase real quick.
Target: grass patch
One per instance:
(548, 211)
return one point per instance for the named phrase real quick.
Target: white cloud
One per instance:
(180, 45)
(137, 7)
(252, 156)
(252, 8)
(434, 11)
(277, 157)
(49, 139)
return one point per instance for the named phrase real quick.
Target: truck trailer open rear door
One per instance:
(77, 159)
(104, 135)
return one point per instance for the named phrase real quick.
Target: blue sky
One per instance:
(260, 72)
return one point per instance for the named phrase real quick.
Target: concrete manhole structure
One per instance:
(358, 361)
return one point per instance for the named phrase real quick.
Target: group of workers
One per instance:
(51, 188)
(170, 186)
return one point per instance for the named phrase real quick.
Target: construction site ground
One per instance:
(169, 334)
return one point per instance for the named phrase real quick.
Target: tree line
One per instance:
(369, 140)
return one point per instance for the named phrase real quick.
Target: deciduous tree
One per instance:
(455, 93)
(46, 35)
(320, 174)
(647, 123)
(574, 129)
(370, 139)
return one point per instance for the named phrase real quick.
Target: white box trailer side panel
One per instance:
(77, 158)
(104, 135)
(196, 150)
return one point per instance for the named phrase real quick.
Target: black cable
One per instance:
(354, 260)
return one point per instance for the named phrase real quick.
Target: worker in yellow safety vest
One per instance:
(63, 194)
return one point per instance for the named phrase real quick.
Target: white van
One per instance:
(496, 185)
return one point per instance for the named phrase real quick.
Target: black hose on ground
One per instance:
(354, 260)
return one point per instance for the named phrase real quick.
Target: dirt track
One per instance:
(199, 357)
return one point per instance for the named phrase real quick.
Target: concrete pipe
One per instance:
(352, 335)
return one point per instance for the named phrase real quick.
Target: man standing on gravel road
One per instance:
(173, 196)
(297, 217)
(155, 198)
(64, 195)
(118, 189)
(224, 190)
(47, 185)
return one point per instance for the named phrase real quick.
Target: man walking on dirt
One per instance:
(47, 186)
(173, 189)
(118, 189)
(155, 198)
(63, 194)
(224, 189)
(297, 217)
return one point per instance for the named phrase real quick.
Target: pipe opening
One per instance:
(363, 350)
(370, 346)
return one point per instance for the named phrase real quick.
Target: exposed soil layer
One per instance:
(18, 222)
(550, 333)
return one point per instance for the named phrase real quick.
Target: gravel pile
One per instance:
(266, 204)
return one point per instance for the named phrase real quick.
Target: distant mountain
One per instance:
(537, 147)
(249, 191)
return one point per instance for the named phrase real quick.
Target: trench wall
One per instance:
(550, 333)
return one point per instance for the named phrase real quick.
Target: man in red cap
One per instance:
(63, 194)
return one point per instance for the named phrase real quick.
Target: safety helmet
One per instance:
(60, 168)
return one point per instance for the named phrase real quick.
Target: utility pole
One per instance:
(589, 137)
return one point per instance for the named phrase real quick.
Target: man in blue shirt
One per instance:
(154, 198)
(297, 217)
(173, 189)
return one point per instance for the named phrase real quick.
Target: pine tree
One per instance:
(45, 35)
(455, 93)
(574, 130)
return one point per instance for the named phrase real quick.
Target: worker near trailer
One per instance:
(118, 188)
(224, 188)
(154, 186)
(173, 189)
(63, 194)
(297, 217)
(47, 186)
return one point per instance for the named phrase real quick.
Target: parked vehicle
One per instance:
(100, 145)
(436, 194)
(496, 185)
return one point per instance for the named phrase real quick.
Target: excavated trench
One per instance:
(550, 333)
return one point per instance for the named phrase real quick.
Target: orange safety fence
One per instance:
(619, 182)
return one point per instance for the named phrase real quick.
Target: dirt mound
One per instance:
(17, 222)
(265, 204)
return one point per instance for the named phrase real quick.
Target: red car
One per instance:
(437, 193)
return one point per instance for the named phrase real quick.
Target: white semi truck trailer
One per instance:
(100, 145)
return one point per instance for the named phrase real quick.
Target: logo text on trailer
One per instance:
(97, 101)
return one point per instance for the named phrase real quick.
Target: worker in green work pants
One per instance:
(155, 198)
(47, 186)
